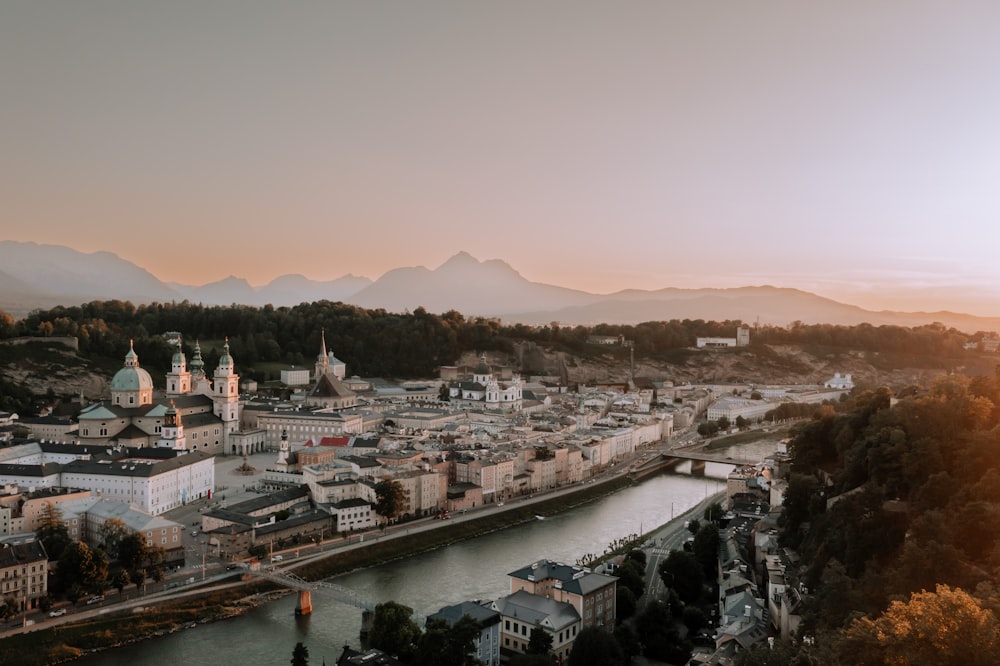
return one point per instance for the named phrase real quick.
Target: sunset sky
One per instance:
(847, 148)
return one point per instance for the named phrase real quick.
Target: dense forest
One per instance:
(414, 344)
(895, 508)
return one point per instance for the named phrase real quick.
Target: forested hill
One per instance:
(887, 501)
(380, 343)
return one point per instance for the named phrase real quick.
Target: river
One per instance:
(474, 569)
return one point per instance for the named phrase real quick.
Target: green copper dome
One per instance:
(131, 377)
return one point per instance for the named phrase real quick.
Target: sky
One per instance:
(850, 148)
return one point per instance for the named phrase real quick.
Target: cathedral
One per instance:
(196, 413)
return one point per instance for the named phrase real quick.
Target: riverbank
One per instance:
(156, 618)
(68, 642)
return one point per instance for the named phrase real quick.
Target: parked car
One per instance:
(96, 599)
(57, 612)
(277, 558)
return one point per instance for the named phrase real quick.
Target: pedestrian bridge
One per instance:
(306, 588)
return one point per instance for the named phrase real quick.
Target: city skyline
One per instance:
(848, 150)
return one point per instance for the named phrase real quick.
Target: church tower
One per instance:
(178, 379)
(281, 464)
(226, 393)
(323, 360)
(199, 380)
(172, 434)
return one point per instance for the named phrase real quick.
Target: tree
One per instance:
(694, 619)
(631, 576)
(714, 513)
(81, 565)
(444, 645)
(389, 499)
(708, 429)
(539, 642)
(432, 646)
(706, 549)
(74, 593)
(659, 634)
(682, 572)
(638, 555)
(53, 532)
(625, 603)
(9, 608)
(139, 578)
(460, 646)
(122, 580)
(628, 639)
(693, 526)
(723, 423)
(393, 629)
(947, 626)
(300, 655)
(134, 553)
(111, 534)
(595, 647)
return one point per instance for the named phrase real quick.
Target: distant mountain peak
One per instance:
(466, 262)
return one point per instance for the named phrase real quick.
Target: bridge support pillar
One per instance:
(697, 468)
(304, 606)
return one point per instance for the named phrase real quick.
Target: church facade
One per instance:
(195, 413)
(485, 390)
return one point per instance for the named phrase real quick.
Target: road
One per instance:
(667, 538)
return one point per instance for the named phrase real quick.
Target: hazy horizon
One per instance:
(845, 149)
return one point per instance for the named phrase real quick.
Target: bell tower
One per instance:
(178, 379)
(225, 391)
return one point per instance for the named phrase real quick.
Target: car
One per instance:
(194, 532)
(57, 612)
(95, 599)
(277, 558)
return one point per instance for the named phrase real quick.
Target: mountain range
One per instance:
(41, 276)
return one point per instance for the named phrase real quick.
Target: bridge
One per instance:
(702, 456)
(667, 459)
(305, 589)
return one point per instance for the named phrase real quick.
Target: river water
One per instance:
(474, 569)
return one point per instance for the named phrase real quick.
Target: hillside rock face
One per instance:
(75, 377)
(758, 365)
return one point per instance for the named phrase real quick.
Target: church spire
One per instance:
(323, 359)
